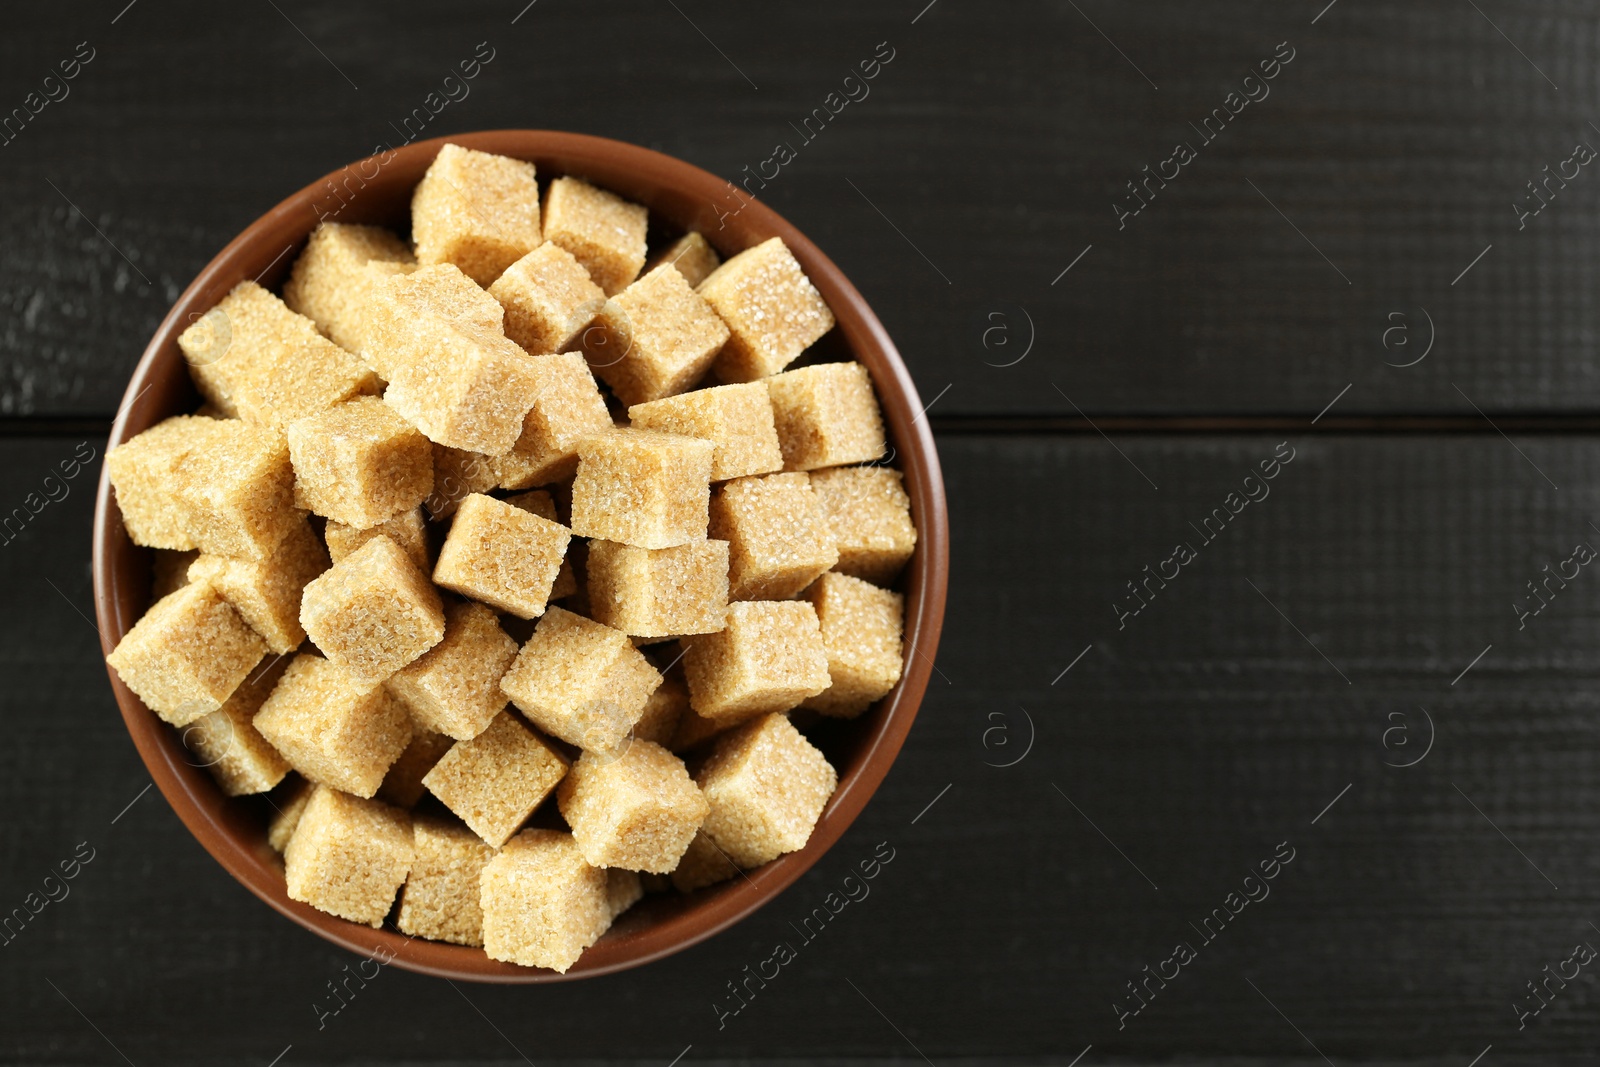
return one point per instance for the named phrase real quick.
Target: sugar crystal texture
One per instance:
(827, 416)
(659, 592)
(402, 785)
(540, 503)
(568, 407)
(256, 360)
(266, 593)
(703, 864)
(692, 256)
(406, 529)
(549, 299)
(642, 488)
(188, 654)
(226, 742)
(333, 728)
(543, 904)
(502, 555)
(694, 729)
(457, 474)
(603, 232)
(624, 889)
(348, 856)
(870, 516)
(373, 612)
(236, 494)
(778, 535)
(332, 281)
(636, 809)
(769, 659)
(735, 418)
(662, 712)
(440, 900)
(766, 785)
(771, 308)
(452, 373)
(454, 687)
(143, 472)
(654, 339)
(475, 210)
(494, 781)
(359, 463)
(580, 681)
(862, 628)
(287, 812)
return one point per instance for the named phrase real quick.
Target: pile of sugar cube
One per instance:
(403, 462)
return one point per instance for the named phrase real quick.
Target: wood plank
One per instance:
(986, 158)
(1191, 742)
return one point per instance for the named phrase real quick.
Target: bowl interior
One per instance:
(680, 197)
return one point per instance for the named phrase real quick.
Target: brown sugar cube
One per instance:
(870, 516)
(452, 374)
(862, 628)
(373, 612)
(188, 654)
(772, 310)
(494, 781)
(568, 408)
(143, 472)
(286, 813)
(827, 416)
(227, 744)
(539, 502)
(255, 359)
(457, 474)
(359, 463)
(348, 856)
(642, 488)
(659, 592)
(778, 535)
(580, 681)
(636, 809)
(440, 898)
(603, 232)
(237, 493)
(703, 864)
(431, 308)
(266, 593)
(663, 711)
(406, 529)
(656, 338)
(694, 729)
(475, 210)
(454, 687)
(502, 555)
(735, 418)
(624, 889)
(770, 658)
(169, 571)
(402, 785)
(548, 297)
(767, 786)
(692, 256)
(543, 904)
(332, 281)
(333, 728)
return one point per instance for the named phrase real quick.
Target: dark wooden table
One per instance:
(1349, 269)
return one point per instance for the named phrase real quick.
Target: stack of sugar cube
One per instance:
(422, 446)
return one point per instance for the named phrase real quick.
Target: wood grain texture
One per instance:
(1197, 738)
(987, 156)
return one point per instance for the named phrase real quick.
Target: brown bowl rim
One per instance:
(650, 177)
